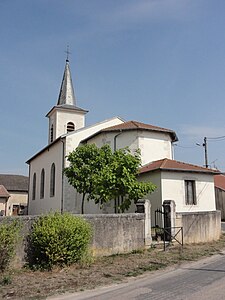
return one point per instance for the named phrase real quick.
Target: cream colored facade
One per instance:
(171, 186)
(65, 197)
(153, 145)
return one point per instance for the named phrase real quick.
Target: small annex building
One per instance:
(191, 187)
(15, 189)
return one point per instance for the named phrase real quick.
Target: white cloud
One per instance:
(195, 131)
(151, 10)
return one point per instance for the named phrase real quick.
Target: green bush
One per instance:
(9, 235)
(58, 239)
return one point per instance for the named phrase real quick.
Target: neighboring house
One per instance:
(4, 197)
(191, 187)
(17, 189)
(219, 181)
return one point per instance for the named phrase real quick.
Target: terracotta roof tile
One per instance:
(3, 192)
(219, 181)
(173, 165)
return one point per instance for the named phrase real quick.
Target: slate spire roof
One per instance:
(66, 94)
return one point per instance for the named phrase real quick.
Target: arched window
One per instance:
(70, 127)
(51, 134)
(42, 186)
(34, 187)
(52, 181)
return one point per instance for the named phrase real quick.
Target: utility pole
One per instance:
(206, 152)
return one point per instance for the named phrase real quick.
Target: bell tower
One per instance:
(65, 117)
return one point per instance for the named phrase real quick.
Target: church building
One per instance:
(189, 186)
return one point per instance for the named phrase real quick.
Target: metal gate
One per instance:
(162, 222)
(163, 227)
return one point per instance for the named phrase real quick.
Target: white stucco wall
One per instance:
(44, 160)
(71, 199)
(73, 140)
(153, 145)
(155, 197)
(60, 118)
(173, 188)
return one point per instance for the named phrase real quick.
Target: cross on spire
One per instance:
(67, 53)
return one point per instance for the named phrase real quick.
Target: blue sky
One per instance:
(160, 62)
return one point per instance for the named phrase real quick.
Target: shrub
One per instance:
(58, 239)
(9, 235)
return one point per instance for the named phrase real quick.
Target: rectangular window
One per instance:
(190, 193)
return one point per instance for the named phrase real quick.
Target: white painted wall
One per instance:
(173, 189)
(60, 118)
(73, 140)
(153, 145)
(55, 154)
(44, 160)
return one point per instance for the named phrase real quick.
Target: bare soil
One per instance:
(26, 284)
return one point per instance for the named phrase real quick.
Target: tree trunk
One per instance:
(82, 204)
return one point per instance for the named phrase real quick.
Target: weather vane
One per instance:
(67, 53)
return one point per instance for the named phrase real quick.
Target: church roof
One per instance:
(66, 94)
(134, 125)
(66, 99)
(174, 165)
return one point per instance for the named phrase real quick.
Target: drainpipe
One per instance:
(114, 148)
(63, 166)
(115, 137)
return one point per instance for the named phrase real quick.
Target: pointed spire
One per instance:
(66, 94)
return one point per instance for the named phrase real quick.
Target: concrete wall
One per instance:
(112, 234)
(200, 226)
(117, 233)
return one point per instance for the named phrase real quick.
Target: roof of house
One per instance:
(134, 125)
(174, 165)
(219, 181)
(3, 192)
(17, 183)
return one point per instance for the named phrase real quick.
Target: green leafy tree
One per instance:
(119, 180)
(104, 176)
(85, 163)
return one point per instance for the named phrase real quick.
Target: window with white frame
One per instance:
(190, 192)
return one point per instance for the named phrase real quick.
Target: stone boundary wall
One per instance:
(200, 227)
(112, 233)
